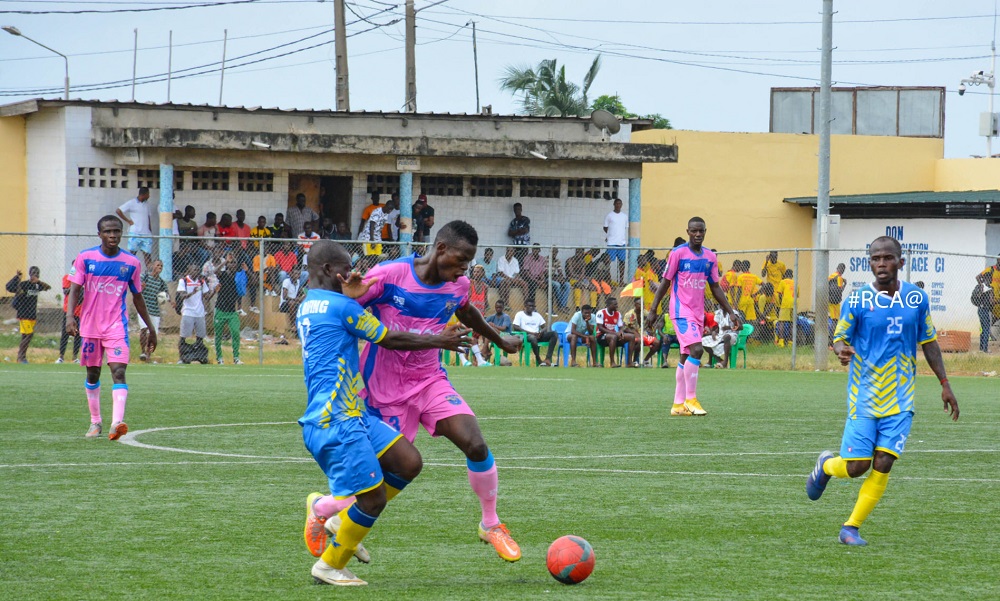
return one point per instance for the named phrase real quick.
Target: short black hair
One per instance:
(328, 251)
(453, 231)
(586, 308)
(678, 241)
(144, 190)
(109, 218)
(696, 220)
(210, 214)
(893, 242)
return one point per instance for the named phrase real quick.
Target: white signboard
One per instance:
(407, 163)
(947, 279)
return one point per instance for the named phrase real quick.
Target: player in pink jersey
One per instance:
(106, 273)
(410, 388)
(690, 268)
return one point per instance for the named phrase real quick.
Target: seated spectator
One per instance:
(599, 273)
(640, 330)
(532, 323)
(576, 273)
(327, 229)
(261, 231)
(719, 337)
(509, 272)
(668, 337)
(341, 233)
(560, 283)
(278, 227)
(583, 331)
(225, 227)
(271, 280)
(478, 289)
(500, 322)
(490, 269)
(535, 271)
(153, 290)
(285, 259)
(291, 295)
(611, 330)
(306, 239)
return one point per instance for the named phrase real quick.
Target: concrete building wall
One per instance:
(13, 193)
(46, 169)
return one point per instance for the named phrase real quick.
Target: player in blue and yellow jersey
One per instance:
(361, 455)
(877, 336)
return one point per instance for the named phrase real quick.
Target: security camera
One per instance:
(961, 89)
(261, 145)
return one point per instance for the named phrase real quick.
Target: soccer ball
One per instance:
(161, 298)
(570, 559)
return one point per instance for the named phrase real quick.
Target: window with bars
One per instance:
(502, 187)
(209, 180)
(383, 184)
(540, 187)
(255, 181)
(592, 188)
(442, 185)
(101, 177)
(150, 178)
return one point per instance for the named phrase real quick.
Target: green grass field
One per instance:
(676, 508)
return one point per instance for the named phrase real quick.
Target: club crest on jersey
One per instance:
(399, 301)
(450, 306)
(90, 268)
(124, 270)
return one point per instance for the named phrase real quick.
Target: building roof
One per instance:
(896, 198)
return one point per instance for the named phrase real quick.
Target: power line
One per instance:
(85, 11)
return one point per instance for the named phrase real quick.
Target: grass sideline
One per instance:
(676, 508)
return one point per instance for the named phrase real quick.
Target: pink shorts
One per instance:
(688, 332)
(94, 349)
(428, 406)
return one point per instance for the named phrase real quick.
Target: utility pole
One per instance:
(222, 76)
(135, 59)
(411, 57)
(475, 62)
(821, 263)
(340, 45)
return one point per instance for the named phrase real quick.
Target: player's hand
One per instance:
(511, 344)
(150, 342)
(20, 273)
(354, 286)
(845, 355)
(950, 402)
(651, 317)
(71, 328)
(456, 338)
(734, 319)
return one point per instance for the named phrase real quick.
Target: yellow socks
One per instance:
(836, 467)
(869, 495)
(391, 492)
(354, 526)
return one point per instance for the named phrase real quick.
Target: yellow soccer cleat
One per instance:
(680, 409)
(314, 533)
(694, 407)
(502, 541)
(332, 525)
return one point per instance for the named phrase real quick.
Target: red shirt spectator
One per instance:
(65, 286)
(286, 259)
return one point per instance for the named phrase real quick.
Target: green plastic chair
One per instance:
(526, 349)
(741, 345)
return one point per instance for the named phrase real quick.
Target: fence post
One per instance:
(166, 209)
(262, 265)
(908, 258)
(795, 309)
(548, 278)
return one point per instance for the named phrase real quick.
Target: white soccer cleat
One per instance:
(325, 574)
(332, 525)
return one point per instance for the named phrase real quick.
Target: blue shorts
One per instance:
(864, 435)
(143, 243)
(616, 253)
(348, 452)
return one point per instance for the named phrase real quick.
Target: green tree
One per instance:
(615, 106)
(545, 90)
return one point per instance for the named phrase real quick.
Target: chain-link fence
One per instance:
(235, 299)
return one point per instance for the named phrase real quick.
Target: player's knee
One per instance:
(858, 468)
(883, 462)
(477, 450)
(372, 502)
(696, 351)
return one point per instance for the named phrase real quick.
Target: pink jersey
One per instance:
(689, 274)
(402, 302)
(106, 282)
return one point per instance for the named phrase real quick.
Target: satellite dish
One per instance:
(606, 120)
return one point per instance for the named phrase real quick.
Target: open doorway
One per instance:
(328, 195)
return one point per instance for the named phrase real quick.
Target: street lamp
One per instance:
(15, 31)
(981, 78)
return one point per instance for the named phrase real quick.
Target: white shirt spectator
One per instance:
(391, 218)
(617, 224)
(378, 219)
(725, 326)
(529, 323)
(193, 305)
(139, 214)
(289, 289)
(509, 268)
(306, 242)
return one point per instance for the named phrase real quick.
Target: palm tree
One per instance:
(546, 91)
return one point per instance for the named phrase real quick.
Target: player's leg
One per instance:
(612, 349)
(891, 437)
(592, 345)
(27, 327)
(63, 340)
(572, 350)
(443, 412)
(234, 334)
(218, 323)
(119, 391)
(90, 358)
(680, 388)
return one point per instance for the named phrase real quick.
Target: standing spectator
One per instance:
(535, 271)
(616, 229)
(424, 218)
(640, 331)
(509, 270)
(193, 292)
(371, 234)
(993, 280)
(208, 230)
(278, 227)
(136, 215)
(835, 291)
(108, 274)
(649, 276)
(64, 338)
(533, 324)
(225, 228)
(729, 286)
(285, 259)
(225, 308)
(291, 295)
(610, 330)
(748, 285)
(300, 214)
(242, 229)
(26, 306)
(984, 301)
(306, 239)
(367, 212)
(154, 290)
(519, 229)
(786, 305)
(188, 249)
(774, 272)
(390, 231)
(560, 284)
(583, 330)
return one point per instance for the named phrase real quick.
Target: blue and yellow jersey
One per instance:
(330, 325)
(884, 331)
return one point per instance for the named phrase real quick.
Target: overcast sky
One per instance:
(705, 65)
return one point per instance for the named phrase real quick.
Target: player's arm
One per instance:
(453, 338)
(45, 286)
(932, 352)
(74, 293)
(842, 336)
(720, 297)
(471, 317)
(123, 216)
(140, 308)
